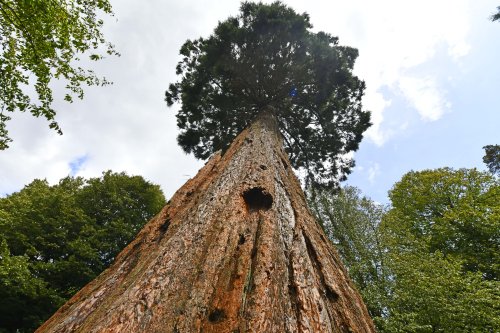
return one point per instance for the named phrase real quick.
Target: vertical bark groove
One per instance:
(235, 250)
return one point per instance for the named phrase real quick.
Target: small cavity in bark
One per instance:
(216, 316)
(257, 198)
(331, 294)
(242, 240)
(164, 226)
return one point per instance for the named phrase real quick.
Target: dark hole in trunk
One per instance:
(331, 294)
(257, 198)
(217, 315)
(242, 239)
(164, 227)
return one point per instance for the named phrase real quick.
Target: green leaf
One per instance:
(43, 40)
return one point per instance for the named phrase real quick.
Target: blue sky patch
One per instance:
(76, 164)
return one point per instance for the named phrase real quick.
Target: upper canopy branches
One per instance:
(268, 56)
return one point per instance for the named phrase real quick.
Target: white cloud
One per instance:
(376, 103)
(394, 38)
(402, 38)
(373, 171)
(425, 96)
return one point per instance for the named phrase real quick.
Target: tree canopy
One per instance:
(55, 239)
(267, 58)
(430, 262)
(441, 238)
(42, 40)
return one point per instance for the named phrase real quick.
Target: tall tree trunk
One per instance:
(235, 250)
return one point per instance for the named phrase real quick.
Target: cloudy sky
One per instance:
(431, 69)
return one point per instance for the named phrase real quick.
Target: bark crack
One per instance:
(328, 294)
(292, 289)
(253, 254)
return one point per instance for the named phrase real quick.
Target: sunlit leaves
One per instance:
(432, 263)
(41, 41)
(442, 250)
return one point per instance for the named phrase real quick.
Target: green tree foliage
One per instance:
(42, 40)
(119, 205)
(431, 262)
(19, 288)
(351, 222)
(55, 239)
(492, 158)
(442, 249)
(267, 58)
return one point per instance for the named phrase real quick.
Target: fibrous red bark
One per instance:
(235, 250)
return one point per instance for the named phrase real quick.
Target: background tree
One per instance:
(431, 265)
(267, 58)
(492, 158)
(119, 205)
(42, 40)
(441, 238)
(55, 239)
(351, 221)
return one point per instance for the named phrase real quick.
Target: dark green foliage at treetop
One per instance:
(55, 239)
(267, 58)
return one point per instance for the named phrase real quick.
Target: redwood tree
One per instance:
(236, 249)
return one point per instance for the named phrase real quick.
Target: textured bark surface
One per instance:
(235, 250)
